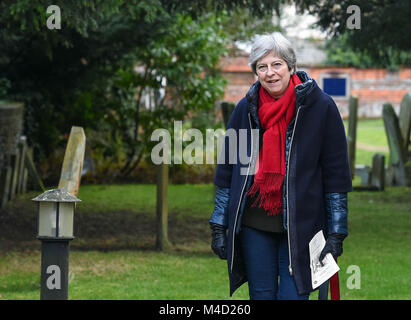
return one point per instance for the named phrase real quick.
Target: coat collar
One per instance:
(302, 91)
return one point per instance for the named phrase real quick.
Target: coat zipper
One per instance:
(290, 269)
(241, 195)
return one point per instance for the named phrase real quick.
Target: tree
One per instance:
(177, 74)
(68, 76)
(60, 74)
(384, 28)
(341, 53)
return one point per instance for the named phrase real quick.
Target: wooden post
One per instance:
(32, 169)
(73, 161)
(5, 181)
(397, 175)
(24, 181)
(378, 171)
(162, 207)
(22, 151)
(15, 161)
(352, 132)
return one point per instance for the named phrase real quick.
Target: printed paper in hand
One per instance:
(320, 273)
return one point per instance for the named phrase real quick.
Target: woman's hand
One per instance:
(333, 245)
(219, 240)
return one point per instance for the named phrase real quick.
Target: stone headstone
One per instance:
(396, 167)
(73, 161)
(378, 171)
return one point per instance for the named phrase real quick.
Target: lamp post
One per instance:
(55, 230)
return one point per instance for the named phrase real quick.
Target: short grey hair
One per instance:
(276, 43)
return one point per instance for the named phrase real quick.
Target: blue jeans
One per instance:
(266, 260)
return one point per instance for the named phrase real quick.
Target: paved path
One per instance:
(368, 147)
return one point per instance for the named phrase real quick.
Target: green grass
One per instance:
(189, 270)
(371, 139)
(126, 275)
(193, 198)
(372, 132)
(113, 255)
(379, 226)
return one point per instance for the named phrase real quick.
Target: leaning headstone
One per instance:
(352, 132)
(73, 161)
(405, 120)
(396, 167)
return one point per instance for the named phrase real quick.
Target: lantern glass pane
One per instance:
(47, 219)
(66, 213)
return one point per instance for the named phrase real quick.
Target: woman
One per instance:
(296, 182)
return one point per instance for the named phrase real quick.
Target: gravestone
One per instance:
(396, 174)
(378, 172)
(73, 161)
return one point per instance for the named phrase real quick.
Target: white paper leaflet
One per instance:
(320, 272)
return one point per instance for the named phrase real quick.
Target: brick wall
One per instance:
(374, 87)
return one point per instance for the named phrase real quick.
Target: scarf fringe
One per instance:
(269, 193)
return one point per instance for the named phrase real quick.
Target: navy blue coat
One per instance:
(317, 171)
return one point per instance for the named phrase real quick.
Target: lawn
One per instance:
(113, 255)
(371, 139)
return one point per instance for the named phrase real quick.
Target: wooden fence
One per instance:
(14, 175)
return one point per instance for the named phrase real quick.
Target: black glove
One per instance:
(333, 245)
(219, 241)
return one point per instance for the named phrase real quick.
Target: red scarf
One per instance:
(274, 115)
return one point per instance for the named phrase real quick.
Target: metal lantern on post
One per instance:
(55, 230)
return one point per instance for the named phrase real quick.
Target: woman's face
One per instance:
(273, 73)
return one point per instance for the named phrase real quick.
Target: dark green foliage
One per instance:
(383, 38)
(341, 53)
(83, 74)
(61, 75)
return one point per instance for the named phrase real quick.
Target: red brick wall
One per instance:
(374, 87)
